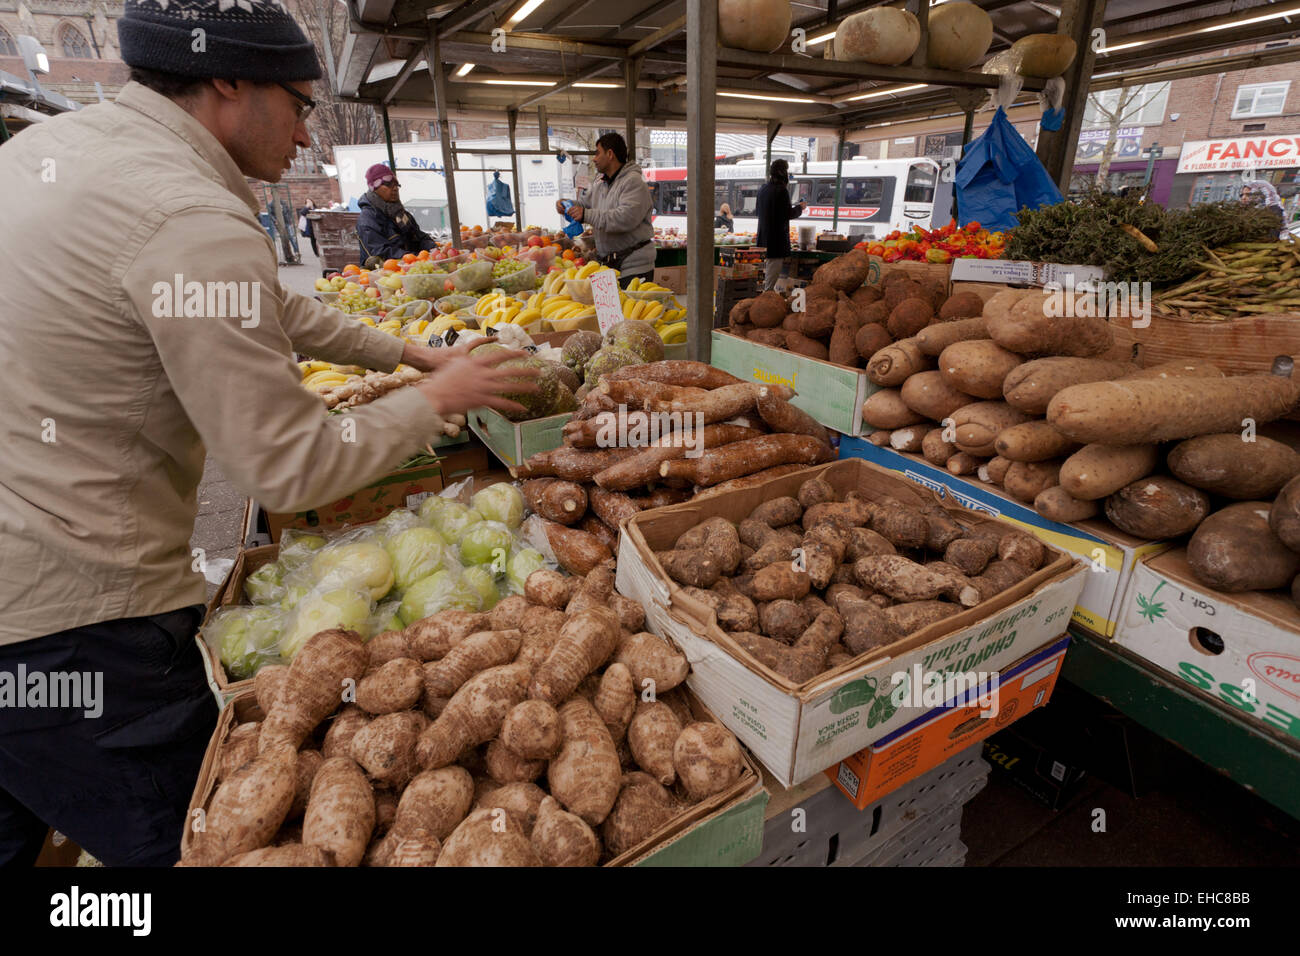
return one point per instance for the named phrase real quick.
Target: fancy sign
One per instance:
(1228, 155)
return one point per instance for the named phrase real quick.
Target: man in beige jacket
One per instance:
(149, 327)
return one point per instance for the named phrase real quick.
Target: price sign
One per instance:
(604, 293)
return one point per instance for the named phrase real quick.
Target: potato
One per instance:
(1033, 441)
(1097, 471)
(977, 367)
(1227, 465)
(1057, 504)
(489, 837)
(1030, 387)
(1026, 480)
(886, 408)
(707, 759)
(1284, 516)
(936, 449)
(1235, 550)
(932, 395)
(1157, 508)
(978, 426)
(994, 470)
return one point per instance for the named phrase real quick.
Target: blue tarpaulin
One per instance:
(498, 198)
(1000, 175)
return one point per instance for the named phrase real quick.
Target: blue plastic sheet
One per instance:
(999, 176)
(498, 197)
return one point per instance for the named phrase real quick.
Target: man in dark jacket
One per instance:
(385, 229)
(774, 215)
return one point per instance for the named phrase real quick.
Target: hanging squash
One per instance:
(758, 25)
(1042, 56)
(959, 36)
(881, 35)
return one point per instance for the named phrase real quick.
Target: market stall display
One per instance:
(514, 737)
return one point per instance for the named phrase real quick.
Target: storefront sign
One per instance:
(1228, 155)
(1128, 142)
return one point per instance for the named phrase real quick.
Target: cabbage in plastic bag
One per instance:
(416, 553)
(487, 542)
(298, 547)
(266, 584)
(322, 609)
(395, 522)
(522, 564)
(448, 518)
(438, 592)
(361, 563)
(244, 638)
(385, 618)
(501, 502)
(482, 580)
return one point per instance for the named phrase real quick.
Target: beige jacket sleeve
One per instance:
(332, 336)
(235, 377)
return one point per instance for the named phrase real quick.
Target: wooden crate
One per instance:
(1237, 346)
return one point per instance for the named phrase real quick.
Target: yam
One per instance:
(977, 367)
(643, 806)
(247, 808)
(1284, 515)
(1098, 471)
(902, 289)
(1057, 504)
(914, 615)
(767, 310)
(560, 838)
(531, 729)
(933, 339)
(779, 415)
(585, 777)
(936, 449)
(870, 339)
(1234, 467)
(978, 426)
(1156, 508)
(844, 273)
(1140, 411)
(887, 408)
(394, 686)
(386, 748)
(488, 837)
(1030, 387)
(963, 463)
(801, 344)
(1032, 327)
(909, 317)
(911, 440)
(707, 758)
(716, 465)
(1026, 480)
(577, 551)
(1033, 441)
(890, 367)
(961, 305)
(772, 338)
(932, 395)
(340, 814)
(842, 350)
(652, 662)
(1235, 549)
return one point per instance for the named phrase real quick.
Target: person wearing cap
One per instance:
(385, 230)
(620, 211)
(774, 215)
(175, 342)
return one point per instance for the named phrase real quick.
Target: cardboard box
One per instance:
(405, 488)
(830, 393)
(672, 277)
(1019, 273)
(1034, 768)
(513, 442)
(725, 829)
(1109, 553)
(919, 271)
(938, 734)
(1243, 650)
(797, 730)
(466, 459)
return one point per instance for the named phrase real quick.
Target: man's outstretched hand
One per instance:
(428, 359)
(474, 381)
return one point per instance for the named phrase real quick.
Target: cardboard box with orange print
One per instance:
(988, 706)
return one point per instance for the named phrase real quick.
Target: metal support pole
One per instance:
(773, 127)
(1056, 149)
(542, 136)
(388, 139)
(839, 182)
(701, 121)
(512, 120)
(433, 53)
(631, 74)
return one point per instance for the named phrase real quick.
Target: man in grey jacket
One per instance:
(618, 208)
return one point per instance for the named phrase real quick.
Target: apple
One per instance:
(373, 293)
(448, 286)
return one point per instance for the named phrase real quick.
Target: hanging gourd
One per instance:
(758, 25)
(958, 37)
(1042, 56)
(881, 35)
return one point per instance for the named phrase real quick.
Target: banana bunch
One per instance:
(390, 326)
(444, 322)
(645, 309)
(674, 334)
(640, 285)
(318, 375)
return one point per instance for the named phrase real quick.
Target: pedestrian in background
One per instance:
(774, 215)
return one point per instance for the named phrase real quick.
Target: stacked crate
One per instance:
(336, 238)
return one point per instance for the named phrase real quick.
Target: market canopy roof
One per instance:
(571, 57)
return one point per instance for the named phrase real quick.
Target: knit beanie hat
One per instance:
(253, 40)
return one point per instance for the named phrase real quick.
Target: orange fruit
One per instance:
(393, 265)
(568, 254)
(422, 257)
(351, 269)
(363, 278)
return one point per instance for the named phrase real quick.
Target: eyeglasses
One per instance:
(391, 183)
(307, 103)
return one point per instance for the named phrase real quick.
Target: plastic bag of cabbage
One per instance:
(456, 551)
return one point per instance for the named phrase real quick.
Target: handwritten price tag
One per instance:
(604, 293)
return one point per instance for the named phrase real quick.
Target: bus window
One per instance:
(721, 194)
(920, 185)
(744, 201)
(671, 199)
(863, 191)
